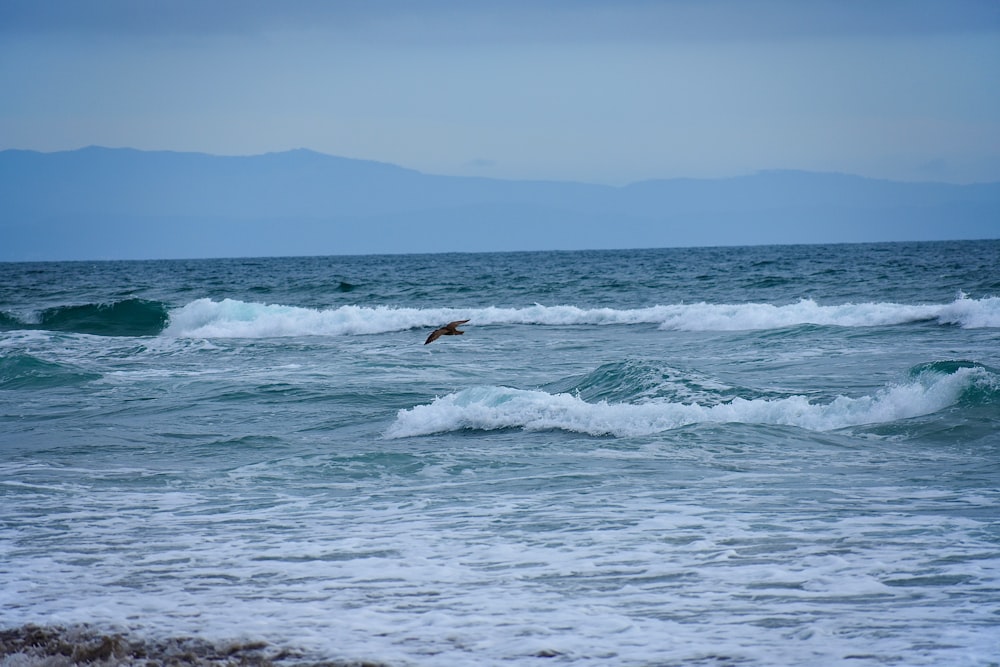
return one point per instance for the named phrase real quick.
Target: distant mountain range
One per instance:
(101, 203)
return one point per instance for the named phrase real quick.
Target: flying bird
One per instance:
(450, 329)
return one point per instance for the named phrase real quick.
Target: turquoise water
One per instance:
(777, 455)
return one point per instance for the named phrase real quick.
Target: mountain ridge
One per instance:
(128, 203)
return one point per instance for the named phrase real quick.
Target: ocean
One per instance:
(753, 456)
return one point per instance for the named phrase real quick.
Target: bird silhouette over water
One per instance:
(450, 329)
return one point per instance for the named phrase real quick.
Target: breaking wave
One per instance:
(230, 318)
(929, 388)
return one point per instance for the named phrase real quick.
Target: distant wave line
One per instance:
(231, 318)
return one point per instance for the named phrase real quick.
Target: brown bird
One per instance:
(449, 329)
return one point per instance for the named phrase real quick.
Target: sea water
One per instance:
(783, 455)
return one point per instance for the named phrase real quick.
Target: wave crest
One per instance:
(230, 318)
(963, 312)
(639, 381)
(929, 390)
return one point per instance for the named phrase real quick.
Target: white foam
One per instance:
(971, 313)
(232, 318)
(489, 408)
(965, 312)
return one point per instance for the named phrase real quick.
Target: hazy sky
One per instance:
(605, 91)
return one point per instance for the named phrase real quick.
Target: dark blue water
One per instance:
(776, 455)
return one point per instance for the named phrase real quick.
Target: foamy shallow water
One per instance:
(636, 553)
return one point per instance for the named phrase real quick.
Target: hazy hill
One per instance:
(121, 203)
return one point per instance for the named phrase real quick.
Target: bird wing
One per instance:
(434, 335)
(452, 325)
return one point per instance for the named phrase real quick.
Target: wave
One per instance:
(636, 380)
(929, 388)
(983, 388)
(23, 371)
(8, 322)
(230, 318)
(129, 317)
(963, 311)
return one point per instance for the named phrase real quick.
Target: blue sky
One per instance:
(603, 91)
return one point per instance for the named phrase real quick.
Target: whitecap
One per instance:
(232, 318)
(491, 407)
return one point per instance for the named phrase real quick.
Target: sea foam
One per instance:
(230, 318)
(492, 407)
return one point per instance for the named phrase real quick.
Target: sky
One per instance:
(600, 91)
